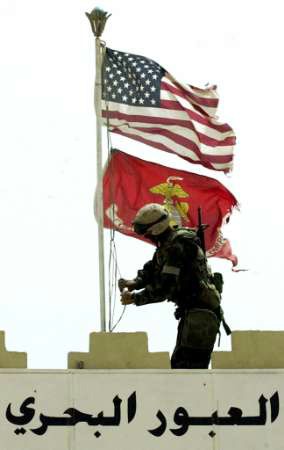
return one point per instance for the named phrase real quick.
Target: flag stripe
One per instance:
(159, 141)
(178, 89)
(173, 92)
(166, 134)
(186, 132)
(177, 136)
(170, 92)
(164, 116)
(193, 115)
(164, 139)
(217, 162)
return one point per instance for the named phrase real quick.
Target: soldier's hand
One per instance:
(129, 284)
(126, 297)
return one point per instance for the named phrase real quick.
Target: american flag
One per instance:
(141, 101)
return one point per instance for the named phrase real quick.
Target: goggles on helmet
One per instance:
(142, 228)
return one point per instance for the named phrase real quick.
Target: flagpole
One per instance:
(98, 18)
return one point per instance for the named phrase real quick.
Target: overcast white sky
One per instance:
(49, 290)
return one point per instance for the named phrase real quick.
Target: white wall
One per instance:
(143, 394)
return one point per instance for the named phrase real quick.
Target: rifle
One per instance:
(200, 230)
(217, 277)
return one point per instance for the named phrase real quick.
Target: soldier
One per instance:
(178, 272)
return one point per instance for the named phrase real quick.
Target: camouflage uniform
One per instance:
(178, 272)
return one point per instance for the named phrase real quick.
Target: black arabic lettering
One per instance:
(181, 418)
(162, 427)
(274, 406)
(76, 416)
(131, 407)
(26, 417)
(235, 417)
(111, 421)
(249, 420)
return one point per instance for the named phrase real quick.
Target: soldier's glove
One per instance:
(129, 284)
(126, 297)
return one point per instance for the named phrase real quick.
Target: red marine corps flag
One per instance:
(144, 102)
(130, 183)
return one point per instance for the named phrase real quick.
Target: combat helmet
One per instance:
(152, 219)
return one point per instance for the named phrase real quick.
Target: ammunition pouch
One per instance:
(209, 297)
(217, 280)
(199, 328)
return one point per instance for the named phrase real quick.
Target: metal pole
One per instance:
(100, 210)
(98, 19)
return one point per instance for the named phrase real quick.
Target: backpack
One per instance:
(208, 294)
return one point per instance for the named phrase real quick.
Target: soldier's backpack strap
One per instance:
(226, 327)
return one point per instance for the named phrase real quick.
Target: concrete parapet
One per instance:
(252, 350)
(11, 360)
(118, 351)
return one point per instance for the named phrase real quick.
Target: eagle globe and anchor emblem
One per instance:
(172, 193)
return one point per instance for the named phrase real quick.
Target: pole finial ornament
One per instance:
(98, 18)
